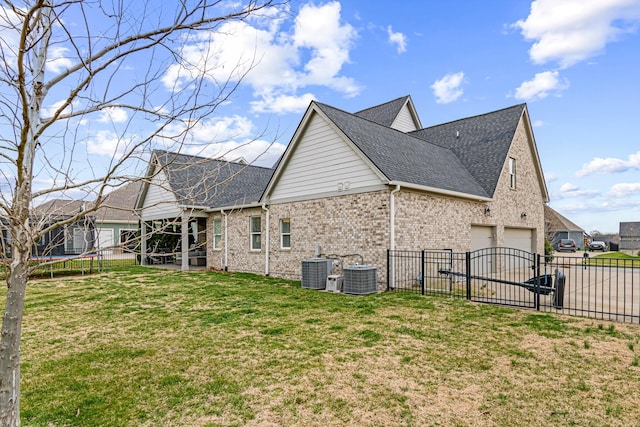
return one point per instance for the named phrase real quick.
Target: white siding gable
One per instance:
(159, 201)
(404, 121)
(321, 165)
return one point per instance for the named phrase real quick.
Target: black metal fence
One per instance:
(50, 266)
(603, 288)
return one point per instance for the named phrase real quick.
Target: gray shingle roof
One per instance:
(118, 205)
(481, 143)
(555, 222)
(383, 114)
(212, 183)
(402, 157)
(629, 229)
(59, 208)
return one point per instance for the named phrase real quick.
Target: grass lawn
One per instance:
(147, 347)
(614, 259)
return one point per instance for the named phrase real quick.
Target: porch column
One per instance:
(143, 243)
(184, 229)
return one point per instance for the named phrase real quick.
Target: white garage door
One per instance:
(518, 238)
(482, 238)
(104, 238)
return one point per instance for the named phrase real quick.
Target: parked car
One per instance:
(597, 245)
(568, 245)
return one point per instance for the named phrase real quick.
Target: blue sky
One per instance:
(574, 62)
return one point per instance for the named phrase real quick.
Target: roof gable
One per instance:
(390, 113)
(209, 183)
(481, 143)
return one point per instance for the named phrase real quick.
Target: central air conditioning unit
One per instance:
(315, 272)
(359, 280)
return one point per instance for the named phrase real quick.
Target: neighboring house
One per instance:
(116, 223)
(362, 183)
(559, 227)
(64, 238)
(111, 228)
(630, 237)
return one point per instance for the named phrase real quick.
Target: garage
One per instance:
(518, 238)
(482, 238)
(104, 239)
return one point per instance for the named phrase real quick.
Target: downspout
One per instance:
(265, 207)
(226, 241)
(392, 234)
(392, 218)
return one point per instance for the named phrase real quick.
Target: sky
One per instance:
(574, 62)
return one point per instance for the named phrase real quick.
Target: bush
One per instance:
(548, 250)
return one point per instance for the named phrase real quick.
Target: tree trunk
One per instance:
(10, 342)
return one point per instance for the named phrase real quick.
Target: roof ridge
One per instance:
(384, 103)
(211, 159)
(473, 117)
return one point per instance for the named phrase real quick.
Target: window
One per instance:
(285, 233)
(217, 234)
(255, 228)
(512, 172)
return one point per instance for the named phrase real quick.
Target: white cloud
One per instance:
(551, 176)
(56, 59)
(399, 39)
(108, 143)
(113, 115)
(624, 189)
(282, 104)
(569, 190)
(448, 88)
(538, 123)
(9, 35)
(270, 58)
(571, 31)
(256, 152)
(610, 165)
(50, 110)
(540, 86)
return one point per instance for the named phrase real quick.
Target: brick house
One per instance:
(361, 183)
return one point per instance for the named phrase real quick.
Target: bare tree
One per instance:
(74, 63)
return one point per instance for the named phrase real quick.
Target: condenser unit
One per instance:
(359, 280)
(315, 272)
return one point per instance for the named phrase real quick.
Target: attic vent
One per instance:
(457, 134)
(315, 272)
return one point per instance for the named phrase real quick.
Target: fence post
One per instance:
(422, 270)
(536, 270)
(388, 269)
(467, 263)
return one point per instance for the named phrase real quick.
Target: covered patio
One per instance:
(179, 241)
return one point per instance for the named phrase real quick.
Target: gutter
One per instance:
(441, 191)
(392, 217)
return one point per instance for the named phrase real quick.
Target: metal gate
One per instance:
(503, 276)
